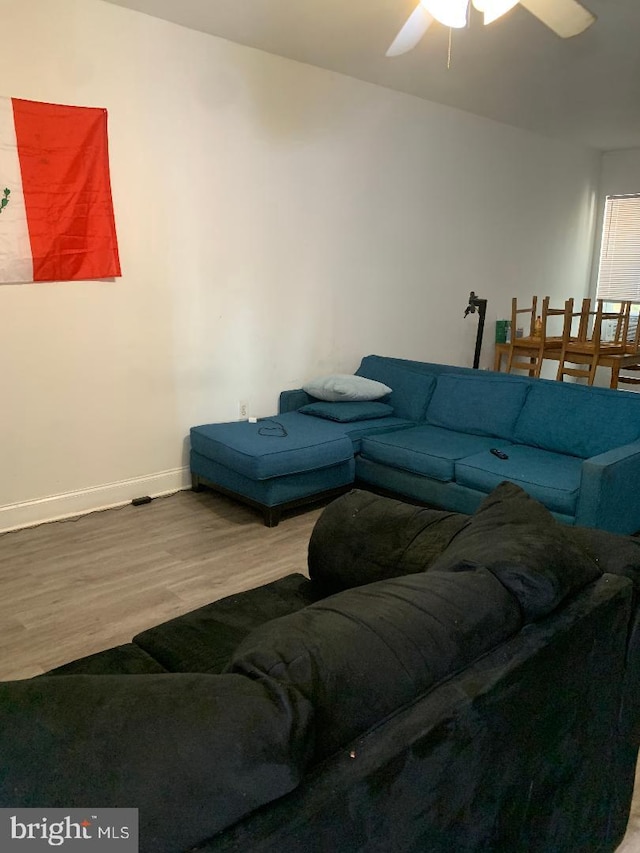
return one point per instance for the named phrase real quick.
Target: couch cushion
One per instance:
(361, 655)
(521, 543)
(552, 478)
(361, 538)
(345, 386)
(346, 412)
(128, 659)
(273, 447)
(577, 419)
(204, 639)
(427, 450)
(410, 390)
(483, 403)
(208, 748)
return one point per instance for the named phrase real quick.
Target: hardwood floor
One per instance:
(71, 588)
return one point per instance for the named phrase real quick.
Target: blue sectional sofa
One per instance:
(574, 448)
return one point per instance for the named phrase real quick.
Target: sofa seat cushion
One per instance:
(552, 478)
(362, 537)
(194, 753)
(204, 639)
(518, 539)
(358, 430)
(273, 447)
(361, 655)
(481, 403)
(578, 419)
(127, 659)
(427, 450)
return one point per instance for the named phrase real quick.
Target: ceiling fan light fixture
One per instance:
(493, 9)
(450, 13)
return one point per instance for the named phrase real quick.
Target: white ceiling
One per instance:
(585, 89)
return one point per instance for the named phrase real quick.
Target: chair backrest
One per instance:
(597, 328)
(576, 323)
(632, 328)
(547, 329)
(528, 324)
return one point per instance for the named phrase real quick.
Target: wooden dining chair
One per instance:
(632, 346)
(581, 353)
(529, 351)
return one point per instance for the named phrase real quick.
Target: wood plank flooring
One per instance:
(71, 588)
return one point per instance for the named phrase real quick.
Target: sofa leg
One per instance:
(196, 485)
(271, 516)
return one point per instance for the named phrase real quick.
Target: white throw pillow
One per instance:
(345, 386)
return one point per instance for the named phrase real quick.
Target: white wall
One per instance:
(620, 172)
(276, 222)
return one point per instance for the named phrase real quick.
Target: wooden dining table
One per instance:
(615, 361)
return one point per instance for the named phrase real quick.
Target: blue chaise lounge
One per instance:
(574, 448)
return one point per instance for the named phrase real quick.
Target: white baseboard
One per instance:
(56, 507)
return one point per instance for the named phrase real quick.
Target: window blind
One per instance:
(619, 269)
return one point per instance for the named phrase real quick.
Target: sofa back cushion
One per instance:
(482, 403)
(410, 390)
(577, 419)
(361, 538)
(360, 655)
(209, 748)
(519, 540)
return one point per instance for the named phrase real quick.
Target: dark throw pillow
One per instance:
(518, 539)
(346, 412)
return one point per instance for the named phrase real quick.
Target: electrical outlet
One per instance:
(243, 409)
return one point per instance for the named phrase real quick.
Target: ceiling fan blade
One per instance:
(415, 27)
(566, 18)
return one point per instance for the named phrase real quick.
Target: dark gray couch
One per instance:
(441, 683)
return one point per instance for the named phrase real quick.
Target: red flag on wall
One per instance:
(56, 211)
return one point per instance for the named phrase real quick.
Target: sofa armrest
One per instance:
(193, 752)
(609, 495)
(291, 401)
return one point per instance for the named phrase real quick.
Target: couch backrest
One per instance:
(411, 389)
(578, 419)
(360, 655)
(482, 403)
(533, 721)
(562, 417)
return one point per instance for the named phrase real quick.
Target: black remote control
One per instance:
(499, 453)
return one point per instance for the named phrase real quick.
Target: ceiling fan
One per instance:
(566, 18)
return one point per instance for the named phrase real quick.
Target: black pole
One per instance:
(476, 303)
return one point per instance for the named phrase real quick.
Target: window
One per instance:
(619, 269)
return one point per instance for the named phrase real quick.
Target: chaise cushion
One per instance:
(526, 549)
(361, 655)
(273, 447)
